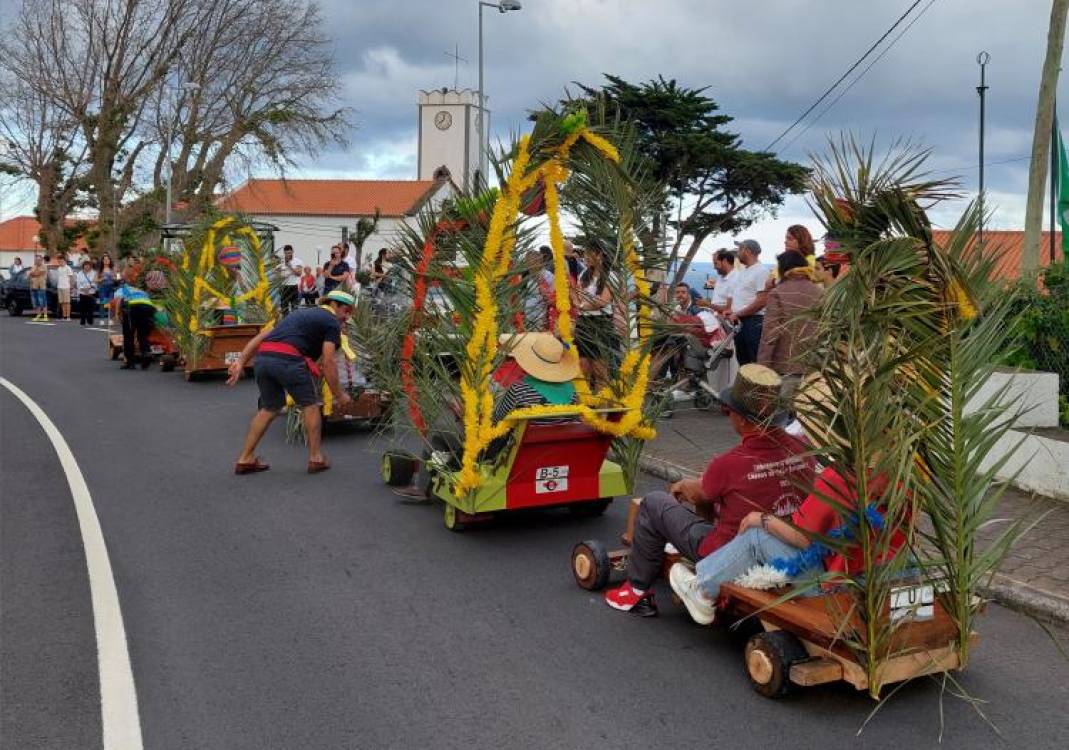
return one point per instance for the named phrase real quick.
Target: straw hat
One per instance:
(815, 409)
(543, 356)
(755, 396)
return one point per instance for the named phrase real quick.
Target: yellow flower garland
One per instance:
(481, 348)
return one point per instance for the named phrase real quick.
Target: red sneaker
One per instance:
(626, 599)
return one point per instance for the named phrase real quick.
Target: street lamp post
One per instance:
(502, 7)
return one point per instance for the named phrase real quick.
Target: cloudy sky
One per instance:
(763, 61)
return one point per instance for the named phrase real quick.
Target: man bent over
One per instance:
(767, 472)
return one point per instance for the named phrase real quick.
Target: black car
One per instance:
(15, 294)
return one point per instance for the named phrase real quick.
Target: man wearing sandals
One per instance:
(767, 472)
(287, 362)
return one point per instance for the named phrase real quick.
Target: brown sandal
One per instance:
(251, 468)
(314, 467)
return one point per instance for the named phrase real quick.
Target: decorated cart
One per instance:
(221, 291)
(476, 254)
(907, 336)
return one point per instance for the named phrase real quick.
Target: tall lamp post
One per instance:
(502, 7)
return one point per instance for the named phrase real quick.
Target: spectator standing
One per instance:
(16, 266)
(105, 279)
(786, 322)
(595, 334)
(292, 270)
(335, 271)
(749, 296)
(39, 288)
(724, 265)
(307, 287)
(86, 284)
(64, 277)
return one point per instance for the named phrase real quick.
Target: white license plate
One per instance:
(230, 358)
(550, 472)
(542, 486)
(913, 603)
(156, 349)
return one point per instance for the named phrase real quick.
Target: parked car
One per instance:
(15, 294)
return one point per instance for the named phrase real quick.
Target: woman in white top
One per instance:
(86, 282)
(595, 334)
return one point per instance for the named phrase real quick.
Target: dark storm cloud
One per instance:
(764, 62)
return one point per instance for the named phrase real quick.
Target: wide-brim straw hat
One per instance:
(815, 408)
(543, 356)
(755, 396)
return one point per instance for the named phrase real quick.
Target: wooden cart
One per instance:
(224, 345)
(802, 639)
(162, 347)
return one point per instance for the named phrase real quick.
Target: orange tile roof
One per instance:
(329, 197)
(19, 232)
(1010, 243)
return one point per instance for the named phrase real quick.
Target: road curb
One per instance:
(1006, 591)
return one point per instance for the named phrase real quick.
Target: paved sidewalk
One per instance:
(1033, 578)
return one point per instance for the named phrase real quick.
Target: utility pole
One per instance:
(1037, 176)
(983, 59)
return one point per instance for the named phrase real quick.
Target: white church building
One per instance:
(313, 215)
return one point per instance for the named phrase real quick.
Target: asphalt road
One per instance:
(283, 610)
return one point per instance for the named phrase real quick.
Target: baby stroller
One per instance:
(701, 356)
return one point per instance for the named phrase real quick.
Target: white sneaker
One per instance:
(679, 395)
(684, 582)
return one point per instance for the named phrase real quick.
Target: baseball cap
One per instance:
(752, 245)
(342, 297)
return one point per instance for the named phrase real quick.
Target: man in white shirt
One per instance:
(748, 301)
(64, 274)
(292, 268)
(724, 264)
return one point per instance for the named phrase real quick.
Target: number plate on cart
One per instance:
(156, 349)
(913, 603)
(551, 479)
(230, 358)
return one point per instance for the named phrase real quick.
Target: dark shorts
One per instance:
(277, 376)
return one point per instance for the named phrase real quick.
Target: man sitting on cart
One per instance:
(764, 473)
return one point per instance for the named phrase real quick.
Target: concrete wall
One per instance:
(1034, 395)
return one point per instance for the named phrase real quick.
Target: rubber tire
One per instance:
(452, 522)
(115, 354)
(600, 567)
(703, 399)
(14, 309)
(398, 469)
(782, 649)
(168, 362)
(590, 508)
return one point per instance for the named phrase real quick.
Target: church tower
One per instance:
(449, 134)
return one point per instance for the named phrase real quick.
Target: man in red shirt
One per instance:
(768, 472)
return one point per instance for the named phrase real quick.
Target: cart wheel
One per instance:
(590, 508)
(189, 375)
(703, 399)
(398, 468)
(590, 565)
(115, 353)
(769, 657)
(167, 363)
(452, 519)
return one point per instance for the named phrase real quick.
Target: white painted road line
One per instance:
(118, 696)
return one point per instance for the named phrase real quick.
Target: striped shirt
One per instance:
(519, 395)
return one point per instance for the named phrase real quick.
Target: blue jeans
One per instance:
(752, 547)
(748, 339)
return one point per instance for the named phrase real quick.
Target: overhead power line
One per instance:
(859, 76)
(844, 76)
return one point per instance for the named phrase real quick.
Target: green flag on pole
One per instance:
(1063, 193)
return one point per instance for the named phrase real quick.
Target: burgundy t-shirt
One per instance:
(768, 472)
